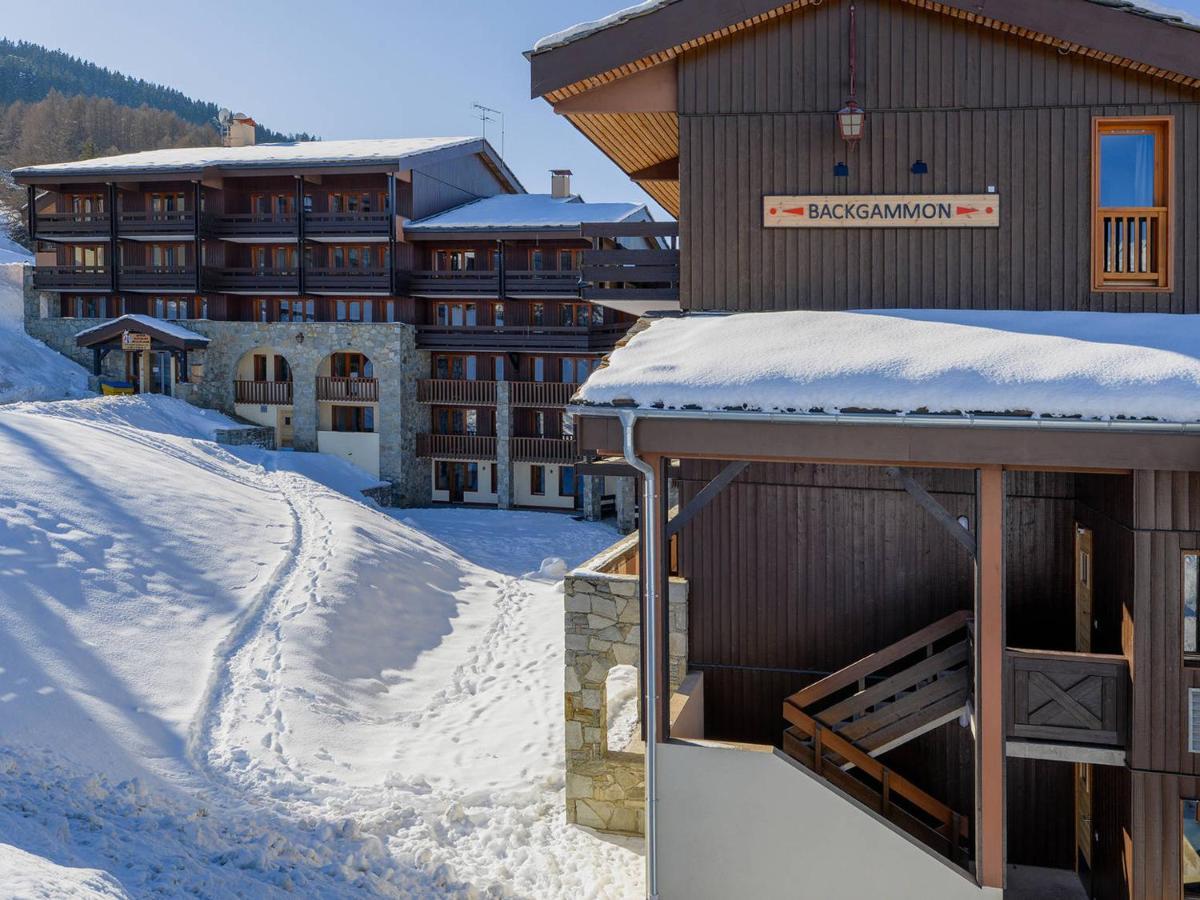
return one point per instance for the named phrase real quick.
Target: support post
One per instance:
(502, 272)
(31, 214)
(504, 469)
(114, 246)
(196, 245)
(391, 260)
(301, 269)
(990, 815)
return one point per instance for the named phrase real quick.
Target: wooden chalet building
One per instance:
(348, 295)
(929, 412)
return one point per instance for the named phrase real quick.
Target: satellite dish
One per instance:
(224, 115)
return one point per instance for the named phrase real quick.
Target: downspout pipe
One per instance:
(650, 526)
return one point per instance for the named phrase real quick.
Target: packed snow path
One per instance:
(224, 677)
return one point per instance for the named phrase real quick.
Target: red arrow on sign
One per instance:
(965, 210)
(795, 211)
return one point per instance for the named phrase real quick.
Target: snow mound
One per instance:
(29, 877)
(29, 370)
(143, 412)
(1091, 365)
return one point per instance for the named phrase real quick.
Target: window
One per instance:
(456, 314)
(171, 307)
(353, 310)
(442, 477)
(454, 260)
(472, 477)
(597, 315)
(85, 206)
(283, 372)
(167, 256)
(539, 423)
(86, 307)
(568, 260)
(573, 315)
(498, 315)
(1190, 857)
(1190, 584)
(353, 418)
(537, 313)
(163, 204)
(86, 256)
(260, 367)
(455, 367)
(498, 372)
(1132, 182)
(537, 260)
(566, 481)
(350, 365)
(539, 369)
(537, 480)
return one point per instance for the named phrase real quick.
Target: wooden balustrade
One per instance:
(451, 392)
(466, 284)
(541, 393)
(250, 278)
(347, 223)
(174, 221)
(72, 224)
(71, 277)
(646, 274)
(263, 393)
(1131, 246)
(1067, 698)
(456, 446)
(164, 277)
(339, 389)
(544, 450)
(259, 224)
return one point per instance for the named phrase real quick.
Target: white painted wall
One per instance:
(488, 497)
(524, 496)
(360, 448)
(259, 415)
(739, 822)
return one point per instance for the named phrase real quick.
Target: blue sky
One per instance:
(354, 68)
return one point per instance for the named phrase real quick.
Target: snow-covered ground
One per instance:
(29, 370)
(222, 674)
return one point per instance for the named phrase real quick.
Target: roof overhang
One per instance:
(110, 333)
(570, 232)
(915, 441)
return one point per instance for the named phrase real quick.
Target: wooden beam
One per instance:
(935, 509)
(651, 90)
(989, 680)
(667, 170)
(705, 496)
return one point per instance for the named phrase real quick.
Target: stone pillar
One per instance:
(593, 495)
(626, 501)
(304, 399)
(504, 486)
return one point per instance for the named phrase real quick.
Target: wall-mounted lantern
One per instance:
(852, 118)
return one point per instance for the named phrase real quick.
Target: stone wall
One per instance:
(606, 788)
(251, 436)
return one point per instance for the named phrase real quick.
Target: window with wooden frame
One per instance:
(1132, 185)
(161, 202)
(457, 314)
(569, 260)
(537, 480)
(455, 367)
(1190, 857)
(1189, 588)
(358, 419)
(454, 260)
(85, 206)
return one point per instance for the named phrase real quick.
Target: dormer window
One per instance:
(1132, 181)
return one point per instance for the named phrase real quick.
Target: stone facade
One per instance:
(606, 788)
(251, 436)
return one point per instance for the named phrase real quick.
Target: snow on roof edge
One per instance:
(164, 325)
(583, 29)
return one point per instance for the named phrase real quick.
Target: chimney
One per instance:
(560, 183)
(241, 131)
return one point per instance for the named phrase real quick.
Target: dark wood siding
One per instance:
(981, 108)
(1157, 822)
(448, 184)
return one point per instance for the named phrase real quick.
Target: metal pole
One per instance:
(650, 526)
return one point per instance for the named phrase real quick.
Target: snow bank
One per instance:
(1092, 365)
(29, 877)
(144, 412)
(29, 370)
(583, 29)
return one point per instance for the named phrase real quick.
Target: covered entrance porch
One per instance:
(155, 353)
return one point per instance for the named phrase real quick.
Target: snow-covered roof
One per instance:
(532, 211)
(307, 153)
(1151, 9)
(1071, 364)
(161, 326)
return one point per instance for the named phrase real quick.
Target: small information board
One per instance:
(883, 211)
(133, 341)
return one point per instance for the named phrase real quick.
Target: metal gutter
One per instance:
(898, 419)
(649, 538)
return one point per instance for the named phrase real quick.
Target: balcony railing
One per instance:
(425, 283)
(650, 275)
(519, 337)
(456, 446)
(172, 222)
(1132, 246)
(63, 278)
(251, 280)
(347, 390)
(541, 393)
(534, 284)
(456, 392)
(94, 225)
(326, 279)
(373, 224)
(1067, 698)
(544, 450)
(250, 225)
(166, 278)
(263, 393)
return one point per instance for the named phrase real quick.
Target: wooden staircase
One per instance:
(842, 722)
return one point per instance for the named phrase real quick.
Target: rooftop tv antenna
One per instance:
(224, 117)
(486, 114)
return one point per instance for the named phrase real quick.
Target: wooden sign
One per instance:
(883, 211)
(134, 341)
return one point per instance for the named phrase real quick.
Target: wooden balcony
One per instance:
(158, 278)
(73, 226)
(347, 280)
(263, 393)
(349, 224)
(451, 285)
(251, 225)
(1062, 698)
(1131, 251)
(337, 389)
(544, 450)
(456, 446)
(72, 278)
(150, 223)
(541, 393)
(650, 275)
(250, 280)
(456, 392)
(520, 337)
(542, 285)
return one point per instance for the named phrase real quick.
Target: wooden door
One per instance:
(1083, 821)
(1083, 589)
(458, 482)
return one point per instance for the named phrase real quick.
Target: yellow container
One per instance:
(111, 389)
